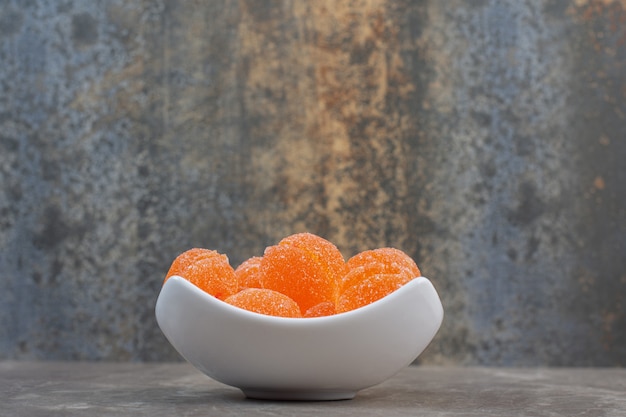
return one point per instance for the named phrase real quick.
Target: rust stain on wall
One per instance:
(335, 81)
(613, 12)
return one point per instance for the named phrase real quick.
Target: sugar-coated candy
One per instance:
(323, 251)
(391, 257)
(289, 270)
(248, 273)
(265, 301)
(211, 272)
(377, 261)
(369, 290)
(361, 273)
(304, 275)
(326, 308)
(186, 258)
(304, 267)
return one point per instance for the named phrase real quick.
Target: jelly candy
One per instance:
(325, 308)
(186, 258)
(265, 301)
(289, 270)
(248, 273)
(361, 273)
(209, 271)
(377, 261)
(304, 267)
(369, 290)
(304, 275)
(391, 257)
(320, 249)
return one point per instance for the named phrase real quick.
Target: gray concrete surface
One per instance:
(484, 138)
(30, 389)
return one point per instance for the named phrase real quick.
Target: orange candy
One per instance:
(361, 273)
(391, 257)
(249, 273)
(264, 301)
(304, 275)
(378, 261)
(320, 249)
(325, 308)
(186, 258)
(209, 271)
(369, 290)
(304, 267)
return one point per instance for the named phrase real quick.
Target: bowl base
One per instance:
(304, 395)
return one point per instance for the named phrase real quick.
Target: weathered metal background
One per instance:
(484, 138)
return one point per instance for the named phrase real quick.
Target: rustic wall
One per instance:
(484, 138)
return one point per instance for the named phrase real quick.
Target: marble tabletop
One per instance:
(177, 389)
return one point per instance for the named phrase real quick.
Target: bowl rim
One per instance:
(295, 321)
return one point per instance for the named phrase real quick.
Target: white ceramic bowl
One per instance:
(322, 358)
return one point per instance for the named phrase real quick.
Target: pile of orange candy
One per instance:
(304, 275)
